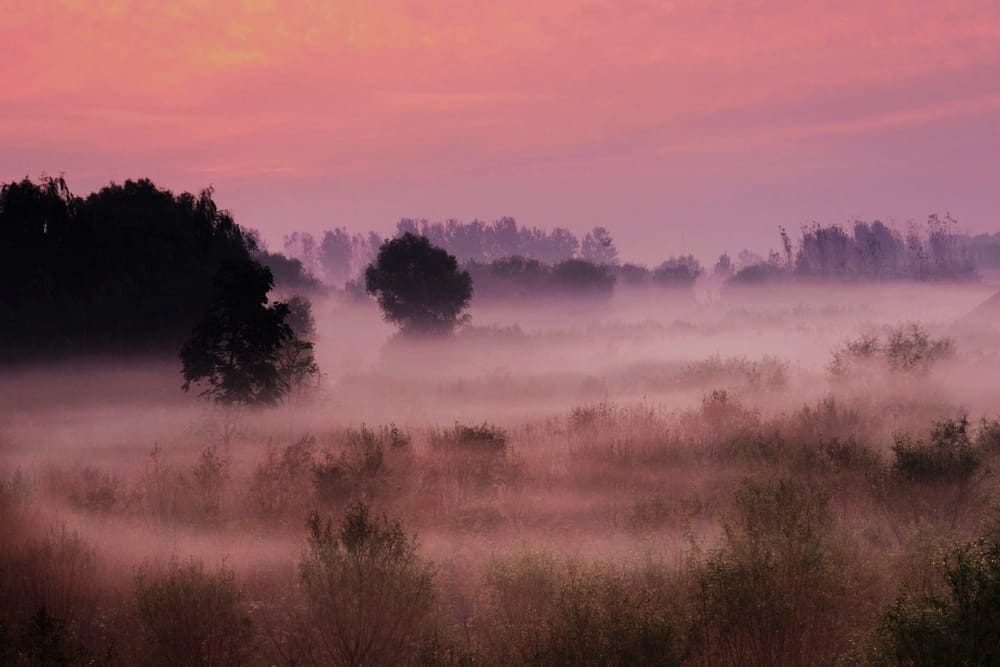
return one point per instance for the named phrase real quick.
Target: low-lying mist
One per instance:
(720, 475)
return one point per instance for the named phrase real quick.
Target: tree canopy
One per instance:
(418, 285)
(235, 352)
(128, 268)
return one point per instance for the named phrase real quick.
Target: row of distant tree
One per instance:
(505, 259)
(131, 266)
(875, 251)
(339, 256)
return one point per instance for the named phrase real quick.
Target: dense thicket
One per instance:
(128, 268)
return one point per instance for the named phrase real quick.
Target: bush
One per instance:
(547, 614)
(188, 616)
(473, 456)
(88, 489)
(280, 486)
(958, 623)
(911, 349)
(932, 479)
(906, 349)
(49, 603)
(776, 591)
(678, 272)
(211, 475)
(988, 436)
(578, 276)
(369, 595)
(948, 456)
(360, 468)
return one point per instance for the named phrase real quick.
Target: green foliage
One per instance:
(369, 595)
(188, 616)
(419, 286)
(957, 623)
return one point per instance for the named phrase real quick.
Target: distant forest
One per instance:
(509, 260)
(130, 267)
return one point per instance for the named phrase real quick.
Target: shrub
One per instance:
(162, 487)
(771, 594)
(725, 423)
(932, 479)
(770, 373)
(589, 417)
(948, 456)
(910, 348)
(48, 599)
(211, 474)
(988, 436)
(958, 623)
(369, 594)
(89, 489)
(473, 456)
(360, 468)
(331, 480)
(680, 271)
(280, 485)
(188, 616)
(906, 349)
(578, 276)
(546, 614)
(16, 491)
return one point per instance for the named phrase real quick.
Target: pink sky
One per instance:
(688, 125)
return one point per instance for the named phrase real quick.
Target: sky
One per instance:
(687, 126)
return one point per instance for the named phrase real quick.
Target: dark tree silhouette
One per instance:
(419, 286)
(128, 269)
(580, 276)
(678, 272)
(235, 350)
(296, 361)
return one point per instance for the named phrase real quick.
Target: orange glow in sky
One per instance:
(698, 125)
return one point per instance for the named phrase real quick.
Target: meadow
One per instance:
(782, 475)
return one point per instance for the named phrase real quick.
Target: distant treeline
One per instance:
(129, 268)
(339, 256)
(933, 251)
(506, 260)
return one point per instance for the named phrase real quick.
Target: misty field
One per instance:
(786, 475)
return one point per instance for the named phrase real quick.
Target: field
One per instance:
(767, 476)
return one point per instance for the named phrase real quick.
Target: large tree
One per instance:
(235, 351)
(418, 285)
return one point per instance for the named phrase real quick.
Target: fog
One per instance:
(617, 445)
